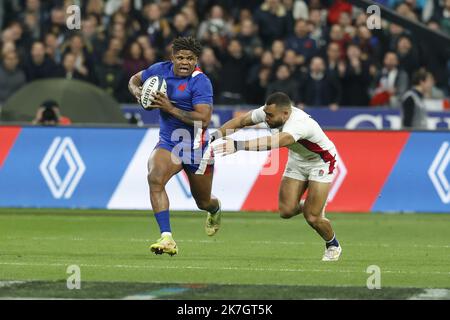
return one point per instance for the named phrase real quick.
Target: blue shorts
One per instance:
(198, 161)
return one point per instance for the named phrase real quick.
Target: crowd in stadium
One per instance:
(321, 53)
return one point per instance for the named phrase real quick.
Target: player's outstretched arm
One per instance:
(135, 86)
(279, 140)
(233, 125)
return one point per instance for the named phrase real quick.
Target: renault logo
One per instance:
(62, 149)
(436, 172)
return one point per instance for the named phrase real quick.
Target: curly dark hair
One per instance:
(187, 43)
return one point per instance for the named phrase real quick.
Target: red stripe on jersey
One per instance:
(203, 137)
(198, 69)
(324, 154)
(8, 136)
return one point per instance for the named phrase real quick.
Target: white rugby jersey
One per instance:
(311, 144)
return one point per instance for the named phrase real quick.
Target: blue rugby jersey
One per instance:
(184, 93)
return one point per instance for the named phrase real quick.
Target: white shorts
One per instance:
(319, 170)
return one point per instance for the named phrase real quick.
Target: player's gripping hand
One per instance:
(228, 146)
(161, 101)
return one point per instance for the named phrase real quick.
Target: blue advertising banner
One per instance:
(66, 167)
(419, 181)
(348, 118)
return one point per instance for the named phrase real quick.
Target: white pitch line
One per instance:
(36, 298)
(432, 294)
(120, 266)
(382, 245)
(140, 297)
(4, 284)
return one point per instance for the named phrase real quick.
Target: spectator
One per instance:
(338, 36)
(319, 88)
(284, 83)
(414, 113)
(110, 76)
(345, 21)
(180, 27)
(391, 83)
(8, 47)
(235, 64)
(249, 39)
(150, 56)
(435, 92)
(52, 48)
(367, 43)
(95, 8)
(34, 8)
(84, 63)
(115, 45)
(39, 65)
(266, 61)
(355, 79)
(394, 34)
(134, 60)
(271, 18)
(68, 69)
(259, 25)
(156, 27)
(189, 11)
(301, 42)
(12, 77)
(216, 23)
(16, 34)
(333, 58)
(336, 9)
(300, 10)
(278, 49)
(293, 62)
(445, 18)
(93, 37)
(212, 68)
(118, 32)
(167, 9)
(432, 10)
(257, 89)
(407, 55)
(318, 30)
(405, 10)
(57, 23)
(435, 60)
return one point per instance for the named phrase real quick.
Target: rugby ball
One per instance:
(151, 86)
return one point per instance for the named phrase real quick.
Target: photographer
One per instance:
(48, 114)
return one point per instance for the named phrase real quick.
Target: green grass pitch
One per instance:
(253, 256)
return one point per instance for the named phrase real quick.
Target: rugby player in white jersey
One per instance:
(311, 164)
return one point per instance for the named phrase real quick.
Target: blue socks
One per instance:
(332, 242)
(163, 219)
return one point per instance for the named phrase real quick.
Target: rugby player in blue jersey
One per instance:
(185, 114)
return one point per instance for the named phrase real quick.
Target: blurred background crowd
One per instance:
(319, 52)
